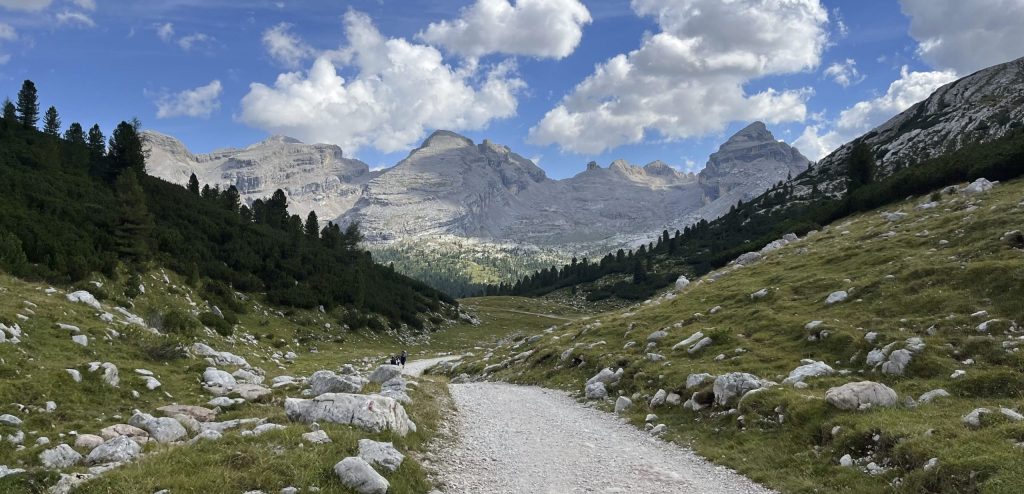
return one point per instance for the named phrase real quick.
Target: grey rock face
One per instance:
(596, 391)
(803, 372)
(385, 373)
(61, 457)
(325, 381)
(162, 429)
(751, 156)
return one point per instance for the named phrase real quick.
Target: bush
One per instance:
(163, 350)
(177, 322)
(989, 384)
(218, 324)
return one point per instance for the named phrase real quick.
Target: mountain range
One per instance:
(452, 188)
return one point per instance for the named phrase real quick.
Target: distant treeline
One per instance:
(747, 227)
(73, 203)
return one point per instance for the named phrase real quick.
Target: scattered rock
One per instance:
(88, 441)
(897, 363)
(216, 377)
(973, 419)
(316, 437)
(10, 420)
(374, 413)
(700, 345)
(75, 375)
(762, 293)
(681, 283)
(117, 450)
(933, 395)
(325, 381)
(622, 404)
(201, 414)
(861, 395)
(380, 455)
(694, 380)
(657, 336)
(80, 339)
(978, 186)
(836, 297)
(814, 369)
(659, 398)
(161, 429)
(385, 373)
(846, 461)
(729, 388)
(596, 391)
(688, 341)
(59, 458)
(359, 476)
(84, 297)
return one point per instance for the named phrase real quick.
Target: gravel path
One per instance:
(528, 439)
(415, 368)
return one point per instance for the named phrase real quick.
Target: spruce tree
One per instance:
(351, 238)
(51, 122)
(75, 134)
(860, 167)
(312, 226)
(193, 184)
(126, 152)
(277, 210)
(28, 105)
(10, 114)
(131, 232)
(232, 199)
(96, 143)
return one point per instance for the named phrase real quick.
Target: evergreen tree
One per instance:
(245, 213)
(51, 122)
(28, 105)
(193, 184)
(351, 238)
(259, 211)
(9, 114)
(126, 151)
(96, 142)
(277, 210)
(860, 167)
(639, 272)
(232, 199)
(312, 226)
(131, 232)
(75, 134)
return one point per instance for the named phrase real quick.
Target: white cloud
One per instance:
(285, 47)
(912, 87)
(76, 18)
(85, 4)
(29, 5)
(688, 80)
(398, 91)
(165, 32)
(845, 73)
(195, 39)
(966, 36)
(539, 28)
(199, 102)
(7, 32)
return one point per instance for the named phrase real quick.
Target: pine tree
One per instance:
(232, 199)
(131, 233)
(639, 272)
(126, 151)
(10, 114)
(75, 134)
(860, 167)
(245, 213)
(312, 226)
(193, 184)
(96, 143)
(28, 105)
(51, 122)
(277, 209)
(351, 238)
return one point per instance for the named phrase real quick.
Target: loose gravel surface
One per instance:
(512, 439)
(415, 368)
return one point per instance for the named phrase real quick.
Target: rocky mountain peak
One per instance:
(593, 166)
(659, 168)
(751, 156)
(276, 140)
(446, 139)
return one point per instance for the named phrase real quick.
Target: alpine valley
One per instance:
(459, 215)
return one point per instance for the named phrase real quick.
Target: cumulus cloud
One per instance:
(286, 48)
(688, 80)
(816, 141)
(28, 5)
(194, 40)
(539, 28)
(398, 91)
(966, 36)
(844, 73)
(199, 102)
(165, 32)
(75, 18)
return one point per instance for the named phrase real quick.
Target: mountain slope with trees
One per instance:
(74, 204)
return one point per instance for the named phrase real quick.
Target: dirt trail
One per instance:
(528, 439)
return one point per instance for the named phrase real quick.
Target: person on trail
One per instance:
(403, 357)
(394, 360)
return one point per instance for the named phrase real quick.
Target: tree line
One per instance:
(76, 203)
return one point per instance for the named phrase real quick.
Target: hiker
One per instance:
(394, 360)
(403, 357)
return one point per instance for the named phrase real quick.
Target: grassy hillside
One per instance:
(923, 275)
(33, 372)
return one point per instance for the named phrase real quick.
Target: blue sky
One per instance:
(560, 81)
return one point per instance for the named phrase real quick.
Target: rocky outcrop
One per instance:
(371, 412)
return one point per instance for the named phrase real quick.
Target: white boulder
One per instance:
(359, 476)
(380, 455)
(861, 395)
(84, 297)
(117, 450)
(374, 413)
(59, 458)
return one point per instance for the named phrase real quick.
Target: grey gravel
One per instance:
(529, 439)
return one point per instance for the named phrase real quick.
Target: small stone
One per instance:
(359, 476)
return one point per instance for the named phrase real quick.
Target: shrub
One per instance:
(177, 322)
(218, 324)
